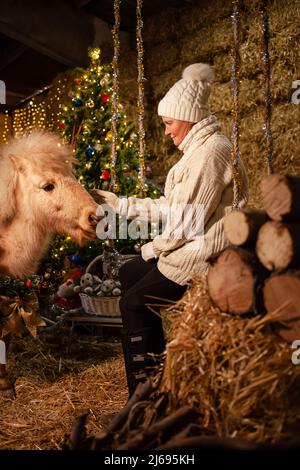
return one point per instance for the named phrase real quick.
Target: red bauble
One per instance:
(61, 125)
(105, 98)
(77, 81)
(105, 175)
(28, 283)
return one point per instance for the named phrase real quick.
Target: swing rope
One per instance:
(235, 89)
(115, 95)
(267, 87)
(142, 186)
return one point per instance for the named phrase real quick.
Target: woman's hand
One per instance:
(105, 197)
(147, 251)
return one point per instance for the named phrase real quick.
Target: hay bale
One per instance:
(234, 371)
(203, 13)
(204, 43)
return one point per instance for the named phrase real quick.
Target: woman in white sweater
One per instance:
(198, 194)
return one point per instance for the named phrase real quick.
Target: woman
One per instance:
(202, 182)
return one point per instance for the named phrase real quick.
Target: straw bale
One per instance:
(235, 371)
(204, 43)
(200, 14)
(160, 84)
(222, 67)
(283, 13)
(56, 382)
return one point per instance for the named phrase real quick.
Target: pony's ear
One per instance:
(8, 189)
(18, 162)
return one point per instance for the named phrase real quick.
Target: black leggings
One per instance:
(141, 282)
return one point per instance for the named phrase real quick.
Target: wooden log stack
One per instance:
(260, 272)
(146, 422)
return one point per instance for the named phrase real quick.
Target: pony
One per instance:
(39, 196)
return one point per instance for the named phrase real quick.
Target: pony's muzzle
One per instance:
(94, 219)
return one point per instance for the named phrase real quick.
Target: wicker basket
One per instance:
(103, 306)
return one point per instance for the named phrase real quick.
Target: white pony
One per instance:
(39, 196)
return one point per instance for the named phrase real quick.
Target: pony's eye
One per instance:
(49, 187)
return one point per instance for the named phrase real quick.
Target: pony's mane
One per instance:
(44, 149)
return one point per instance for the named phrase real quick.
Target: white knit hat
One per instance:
(187, 100)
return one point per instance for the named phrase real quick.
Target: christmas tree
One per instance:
(85, 122)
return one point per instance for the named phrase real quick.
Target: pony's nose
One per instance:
(89, 218)
(94, 219)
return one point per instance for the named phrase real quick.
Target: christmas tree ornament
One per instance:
(78, 80)
(105, 175)
(61, 125)
(109, 136)
(90, 103)
(77, 102)
(116, 188)
(78, 259)
(89, 151)
(104, 82)
(105, 98)
(94, 53)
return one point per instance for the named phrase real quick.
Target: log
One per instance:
(278, 245)
(176, 420)
(281, 197)
(282, 292)
(241, 227)
(233, 279)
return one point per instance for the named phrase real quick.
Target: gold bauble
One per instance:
(116, 188)
(90, 103)
(94, 53)
(109, 135)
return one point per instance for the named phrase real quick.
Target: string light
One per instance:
(140, 100)
(115, 96)
(235, 89)
(267, 92)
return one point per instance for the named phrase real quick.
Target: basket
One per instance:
(103, 306)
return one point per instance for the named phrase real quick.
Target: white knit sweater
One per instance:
(202, 178)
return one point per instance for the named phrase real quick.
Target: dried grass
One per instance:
(234, 371)
(56, 382)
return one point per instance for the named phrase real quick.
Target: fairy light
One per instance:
(6, 127)
(140, 100)
(115, 96)
(267, 91)
(235, 89)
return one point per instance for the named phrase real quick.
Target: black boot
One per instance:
(137, 345)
